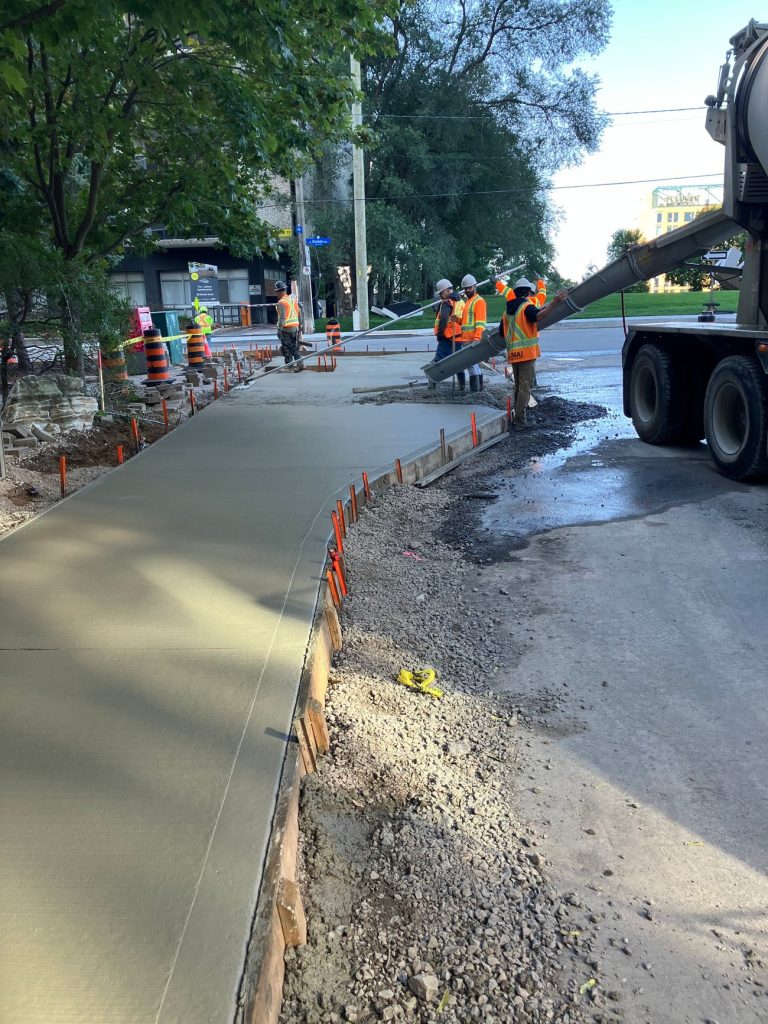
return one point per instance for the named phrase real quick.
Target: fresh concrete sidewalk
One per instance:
(153, 629)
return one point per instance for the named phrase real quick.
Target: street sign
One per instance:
(716, 254)
(299, 229)
(306, 271)
(318, 240)
(285, 233)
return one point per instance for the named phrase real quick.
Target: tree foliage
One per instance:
(480, 103)
(129, 114)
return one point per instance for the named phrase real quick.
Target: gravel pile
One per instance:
(427, 897)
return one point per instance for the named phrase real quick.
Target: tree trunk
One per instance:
(73, 342)
(16, 317)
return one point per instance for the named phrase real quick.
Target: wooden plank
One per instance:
(450, 466)
(316, 718)
(290, 909)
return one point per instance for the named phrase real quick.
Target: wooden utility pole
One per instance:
(358, 187)
(305, 267)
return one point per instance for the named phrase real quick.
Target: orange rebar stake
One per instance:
(367, 488)
(337, 531)
(399, 471)
(342, 517)
(215, 390)
(239, 373)
(473, 421)
(226, 381)
(135, 432)
(332, 588)
(164, 405)
(509, 410)
(191, 403)
(63, 474)
(120, 459)
(339, 571)
(352, 503)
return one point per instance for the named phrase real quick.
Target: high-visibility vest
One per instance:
(452, 329)
(521, 336)
(539, 299)
(291, 311)
(473, 319)
(204, 320)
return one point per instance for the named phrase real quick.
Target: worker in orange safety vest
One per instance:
(473, 323)
(448, 313)
(521, 334)
(288, 324)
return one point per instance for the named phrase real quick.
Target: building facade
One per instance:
(672, 206)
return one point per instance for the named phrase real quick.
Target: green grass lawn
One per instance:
(637, 304)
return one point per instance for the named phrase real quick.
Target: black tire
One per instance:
(736, 418)
(657, 398)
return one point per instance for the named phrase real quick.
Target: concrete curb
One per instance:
(279, 920)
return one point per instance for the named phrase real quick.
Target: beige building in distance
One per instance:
(671, 206)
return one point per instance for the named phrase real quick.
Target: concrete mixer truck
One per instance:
(685, 382)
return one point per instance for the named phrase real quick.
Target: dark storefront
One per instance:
(161, 281)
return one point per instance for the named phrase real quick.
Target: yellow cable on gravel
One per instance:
(422, 680)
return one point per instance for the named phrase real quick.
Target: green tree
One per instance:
(137, 114)
(622, 240)
(478, 106)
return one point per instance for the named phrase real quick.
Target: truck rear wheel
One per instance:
(736, 418)
(657, 398)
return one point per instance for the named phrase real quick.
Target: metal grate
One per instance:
(753, 184)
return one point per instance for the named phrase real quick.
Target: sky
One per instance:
(662, 53)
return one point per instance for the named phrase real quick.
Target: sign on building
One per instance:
(205, 284)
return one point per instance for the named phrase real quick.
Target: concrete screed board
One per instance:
(153, 629)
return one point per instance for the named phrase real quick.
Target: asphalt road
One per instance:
(641, 578)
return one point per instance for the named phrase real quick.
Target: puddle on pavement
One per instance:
(606, 474)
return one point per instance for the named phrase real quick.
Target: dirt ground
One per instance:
(427, 894)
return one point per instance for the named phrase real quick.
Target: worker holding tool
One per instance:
(538, 299)
(473, 323)
(448, 313)
(288, 322)
(521, 333)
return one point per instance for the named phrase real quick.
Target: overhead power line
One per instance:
(506, 191)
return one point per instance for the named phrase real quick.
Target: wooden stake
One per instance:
(399, 471)
(342, 517)
(352, 503)
(443, 448)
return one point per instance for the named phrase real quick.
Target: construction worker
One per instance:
(538, 299)
(448, 313)
(288, 322)
(473, 324)
(204, 319)
(521, 333)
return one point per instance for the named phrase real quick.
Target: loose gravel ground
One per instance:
(427, 896)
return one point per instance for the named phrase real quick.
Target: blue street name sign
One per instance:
(318, 240)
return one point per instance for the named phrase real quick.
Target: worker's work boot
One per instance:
(474, 383)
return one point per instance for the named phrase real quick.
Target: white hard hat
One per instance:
(522, 283)
(442, 284)
(468, 281)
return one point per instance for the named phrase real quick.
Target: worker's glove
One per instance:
(541, 284)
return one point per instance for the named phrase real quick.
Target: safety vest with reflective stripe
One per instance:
(473, 319)
(204, 320)
(452, 329)
(521, 336)
(539, 299)
(290, 311)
